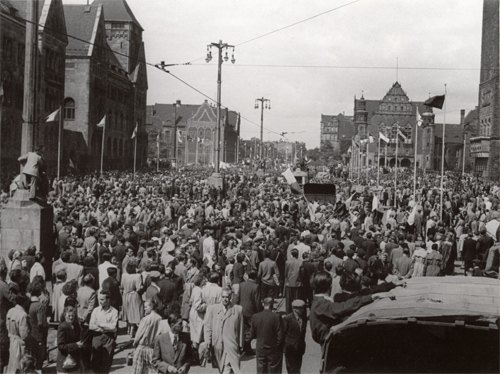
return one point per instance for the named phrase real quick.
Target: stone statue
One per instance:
(34, 175)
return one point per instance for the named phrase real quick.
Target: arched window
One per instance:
(408, 131)
(69, 109)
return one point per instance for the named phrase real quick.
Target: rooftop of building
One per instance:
(117, 11)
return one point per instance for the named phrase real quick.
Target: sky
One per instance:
(311, 57)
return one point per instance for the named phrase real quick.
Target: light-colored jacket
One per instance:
(224, 330)
(33, 162)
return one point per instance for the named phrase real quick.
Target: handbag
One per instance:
(69, 362)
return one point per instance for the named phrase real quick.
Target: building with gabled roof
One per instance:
(105, 77)
(193, 134)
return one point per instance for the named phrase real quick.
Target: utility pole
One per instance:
(29, 104)
(264, 103)
(176, 105)
(220, 46)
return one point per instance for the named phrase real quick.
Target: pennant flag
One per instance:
(371, 139)
(158, 139)
(311, 212)
(349, 150)
(71, 164)
(402, 136)
(375, 202)
(53, 117)
(435, 102)
(411, 217)
(134, 134)
(179, 136)
(383, 137)
(292, 182)
(103, 122)
(200, 140)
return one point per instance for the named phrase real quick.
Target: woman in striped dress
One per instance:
(144, 340)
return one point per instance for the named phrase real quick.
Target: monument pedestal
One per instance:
(215, 180)
(25, 222)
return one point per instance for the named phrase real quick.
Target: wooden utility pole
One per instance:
(29, 104)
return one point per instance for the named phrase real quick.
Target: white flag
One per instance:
(375, 202)
(134, 134)
(371, 139)
(383, 137)
(290, 178)
(52, 117)
(179, 136)
(103, 122)
(419, 118)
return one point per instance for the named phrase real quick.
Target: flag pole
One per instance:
(59, 145)
(396, 167)
(442, 155)
(135, 150)
(378, 163)
(102, 146)
(415, 163)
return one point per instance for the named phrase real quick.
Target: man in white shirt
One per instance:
(103, 268)
(209, 249)
(104, 324)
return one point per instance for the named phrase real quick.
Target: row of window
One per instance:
(403, 108)
(485, 127)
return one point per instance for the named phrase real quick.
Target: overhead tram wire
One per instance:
(286, 27)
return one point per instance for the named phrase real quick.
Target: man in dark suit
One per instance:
(112, 286)
(469, 252)
(249, 299)
(293, 279)
(168, 287)
(170, 354)
(267, 329)
(294, 330)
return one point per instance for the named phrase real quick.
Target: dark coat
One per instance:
(112, 286)
(67, 336)
(249, 298)
(164, 354)
(268, 330)
(469, 250)
(294, 334)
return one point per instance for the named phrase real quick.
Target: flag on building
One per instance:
(134, 134)
(103, 122)
(200, 140)
(349, 150)
(420, 121)
(383, 137)
(179, 136)
(402, 136)
(158, 139)
(71, 164)
(371, 139)
(435, 102)
(292, 182)
(53, 117)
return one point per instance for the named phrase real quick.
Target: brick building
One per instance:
(52, 43)
(195, 127)
(394, 111)
(486, 144)
(104, 77)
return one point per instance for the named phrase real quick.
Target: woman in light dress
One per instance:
(144, 339)
(132, 287)
(197, 312)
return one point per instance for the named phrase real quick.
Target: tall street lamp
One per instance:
(264, 103)
(176, 105)
(220, 46)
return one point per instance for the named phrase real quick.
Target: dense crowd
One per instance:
(197, 272)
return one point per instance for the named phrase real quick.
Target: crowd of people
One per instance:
(197, 273)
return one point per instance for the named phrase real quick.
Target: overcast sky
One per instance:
(317, 66)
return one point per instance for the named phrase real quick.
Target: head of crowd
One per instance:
(165, 235)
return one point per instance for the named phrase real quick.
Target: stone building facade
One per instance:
(105, 78)
(487, 143)
(337, 131)
(395, 111)
(52, 42)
